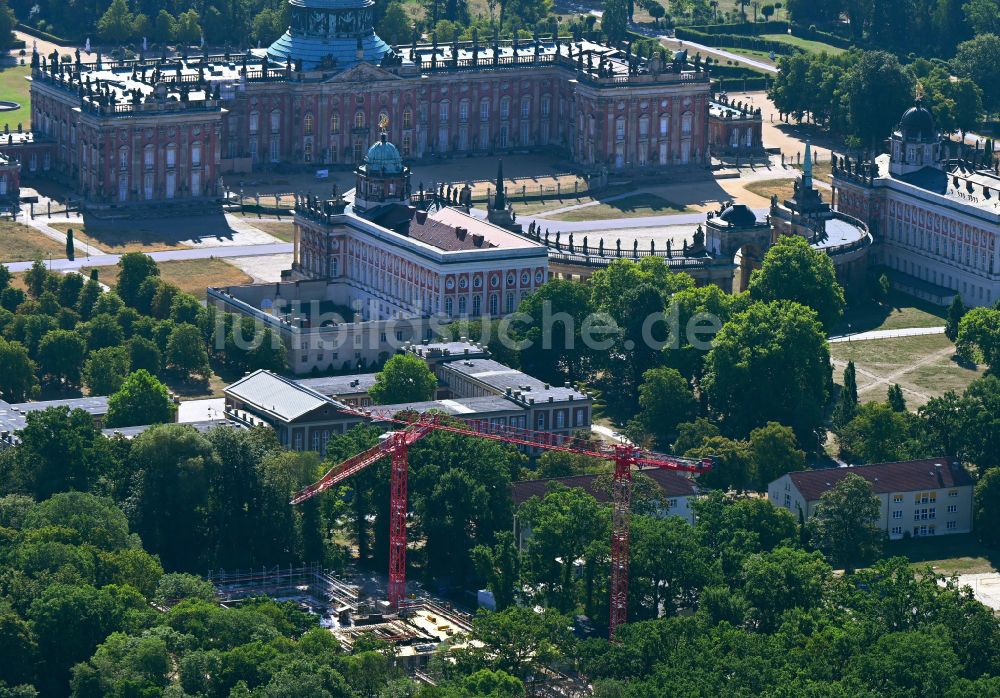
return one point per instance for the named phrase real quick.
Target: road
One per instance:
(106, 260)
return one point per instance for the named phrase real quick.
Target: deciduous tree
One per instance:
(404, 378)
(845, 524)
(794, 271)
(141, 400)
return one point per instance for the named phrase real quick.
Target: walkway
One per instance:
(693, 48)
(886, 334)
(106, 260)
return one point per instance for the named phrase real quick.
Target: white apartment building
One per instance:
(918, 498)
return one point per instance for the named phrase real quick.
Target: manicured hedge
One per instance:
(743, 28)
(736, 40)
(38, 34)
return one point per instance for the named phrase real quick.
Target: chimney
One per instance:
(477, 240)
(460, 233)
(421, 217)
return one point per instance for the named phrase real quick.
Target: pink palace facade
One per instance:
(153, 130)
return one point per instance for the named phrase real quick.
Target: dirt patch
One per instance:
(21, 243)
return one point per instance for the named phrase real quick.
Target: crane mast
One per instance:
(395, 445)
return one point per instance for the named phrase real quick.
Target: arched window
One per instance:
(620, 128)
(643, 126)
(147, 157)
(407, 118)
(448, 306)
(510, 303)
(664, 125)
(196, 155)
(275, 120)
(359, 119)
(254, 121)
(335, 123)
(494, 304)
(443, 111)
(461, 305)
(687, 119)
(463, 111)
(477, 302)
(123, 158)
(307, 125)
(505, 108)
(484, 109)
(546, 106)
(525, 107)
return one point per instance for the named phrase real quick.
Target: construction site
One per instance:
(419, 628)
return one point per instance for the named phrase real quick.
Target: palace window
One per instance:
(307, 125)
(546, 106)
(644, 127)
(335, 123)
(525, 107)
(505, 108)
(443, 111)
(620, 128)
(196, 155)
(359, 119)
(407, 145)
(463, 111)
(664, 125)
(275, 120)
(147, 157)
(123, 159)
(687, 121)
(484, 109)
(254, 121)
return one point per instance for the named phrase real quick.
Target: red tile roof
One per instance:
(671, 485)
(906, 476)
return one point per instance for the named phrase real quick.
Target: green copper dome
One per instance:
(383, 158)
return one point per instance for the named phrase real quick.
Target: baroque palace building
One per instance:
(158, 129)
(934, 212)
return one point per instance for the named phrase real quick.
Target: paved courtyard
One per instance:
(985, 587)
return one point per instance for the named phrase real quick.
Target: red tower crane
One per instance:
(396, 444)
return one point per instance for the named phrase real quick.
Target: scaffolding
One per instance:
(307, 582)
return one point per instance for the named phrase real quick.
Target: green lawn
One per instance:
(807, 45)
(957, 554)
(14, 88)
(633, 206)
(898, 312)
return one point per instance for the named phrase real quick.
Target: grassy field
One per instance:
(283, 230)
(192, 276)
(958, 554)
(19, 243)
(784, 188)
(807, 45)
(898, 312)
(14, 88)
(923, 366)
(632, 206)
(114, 239)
